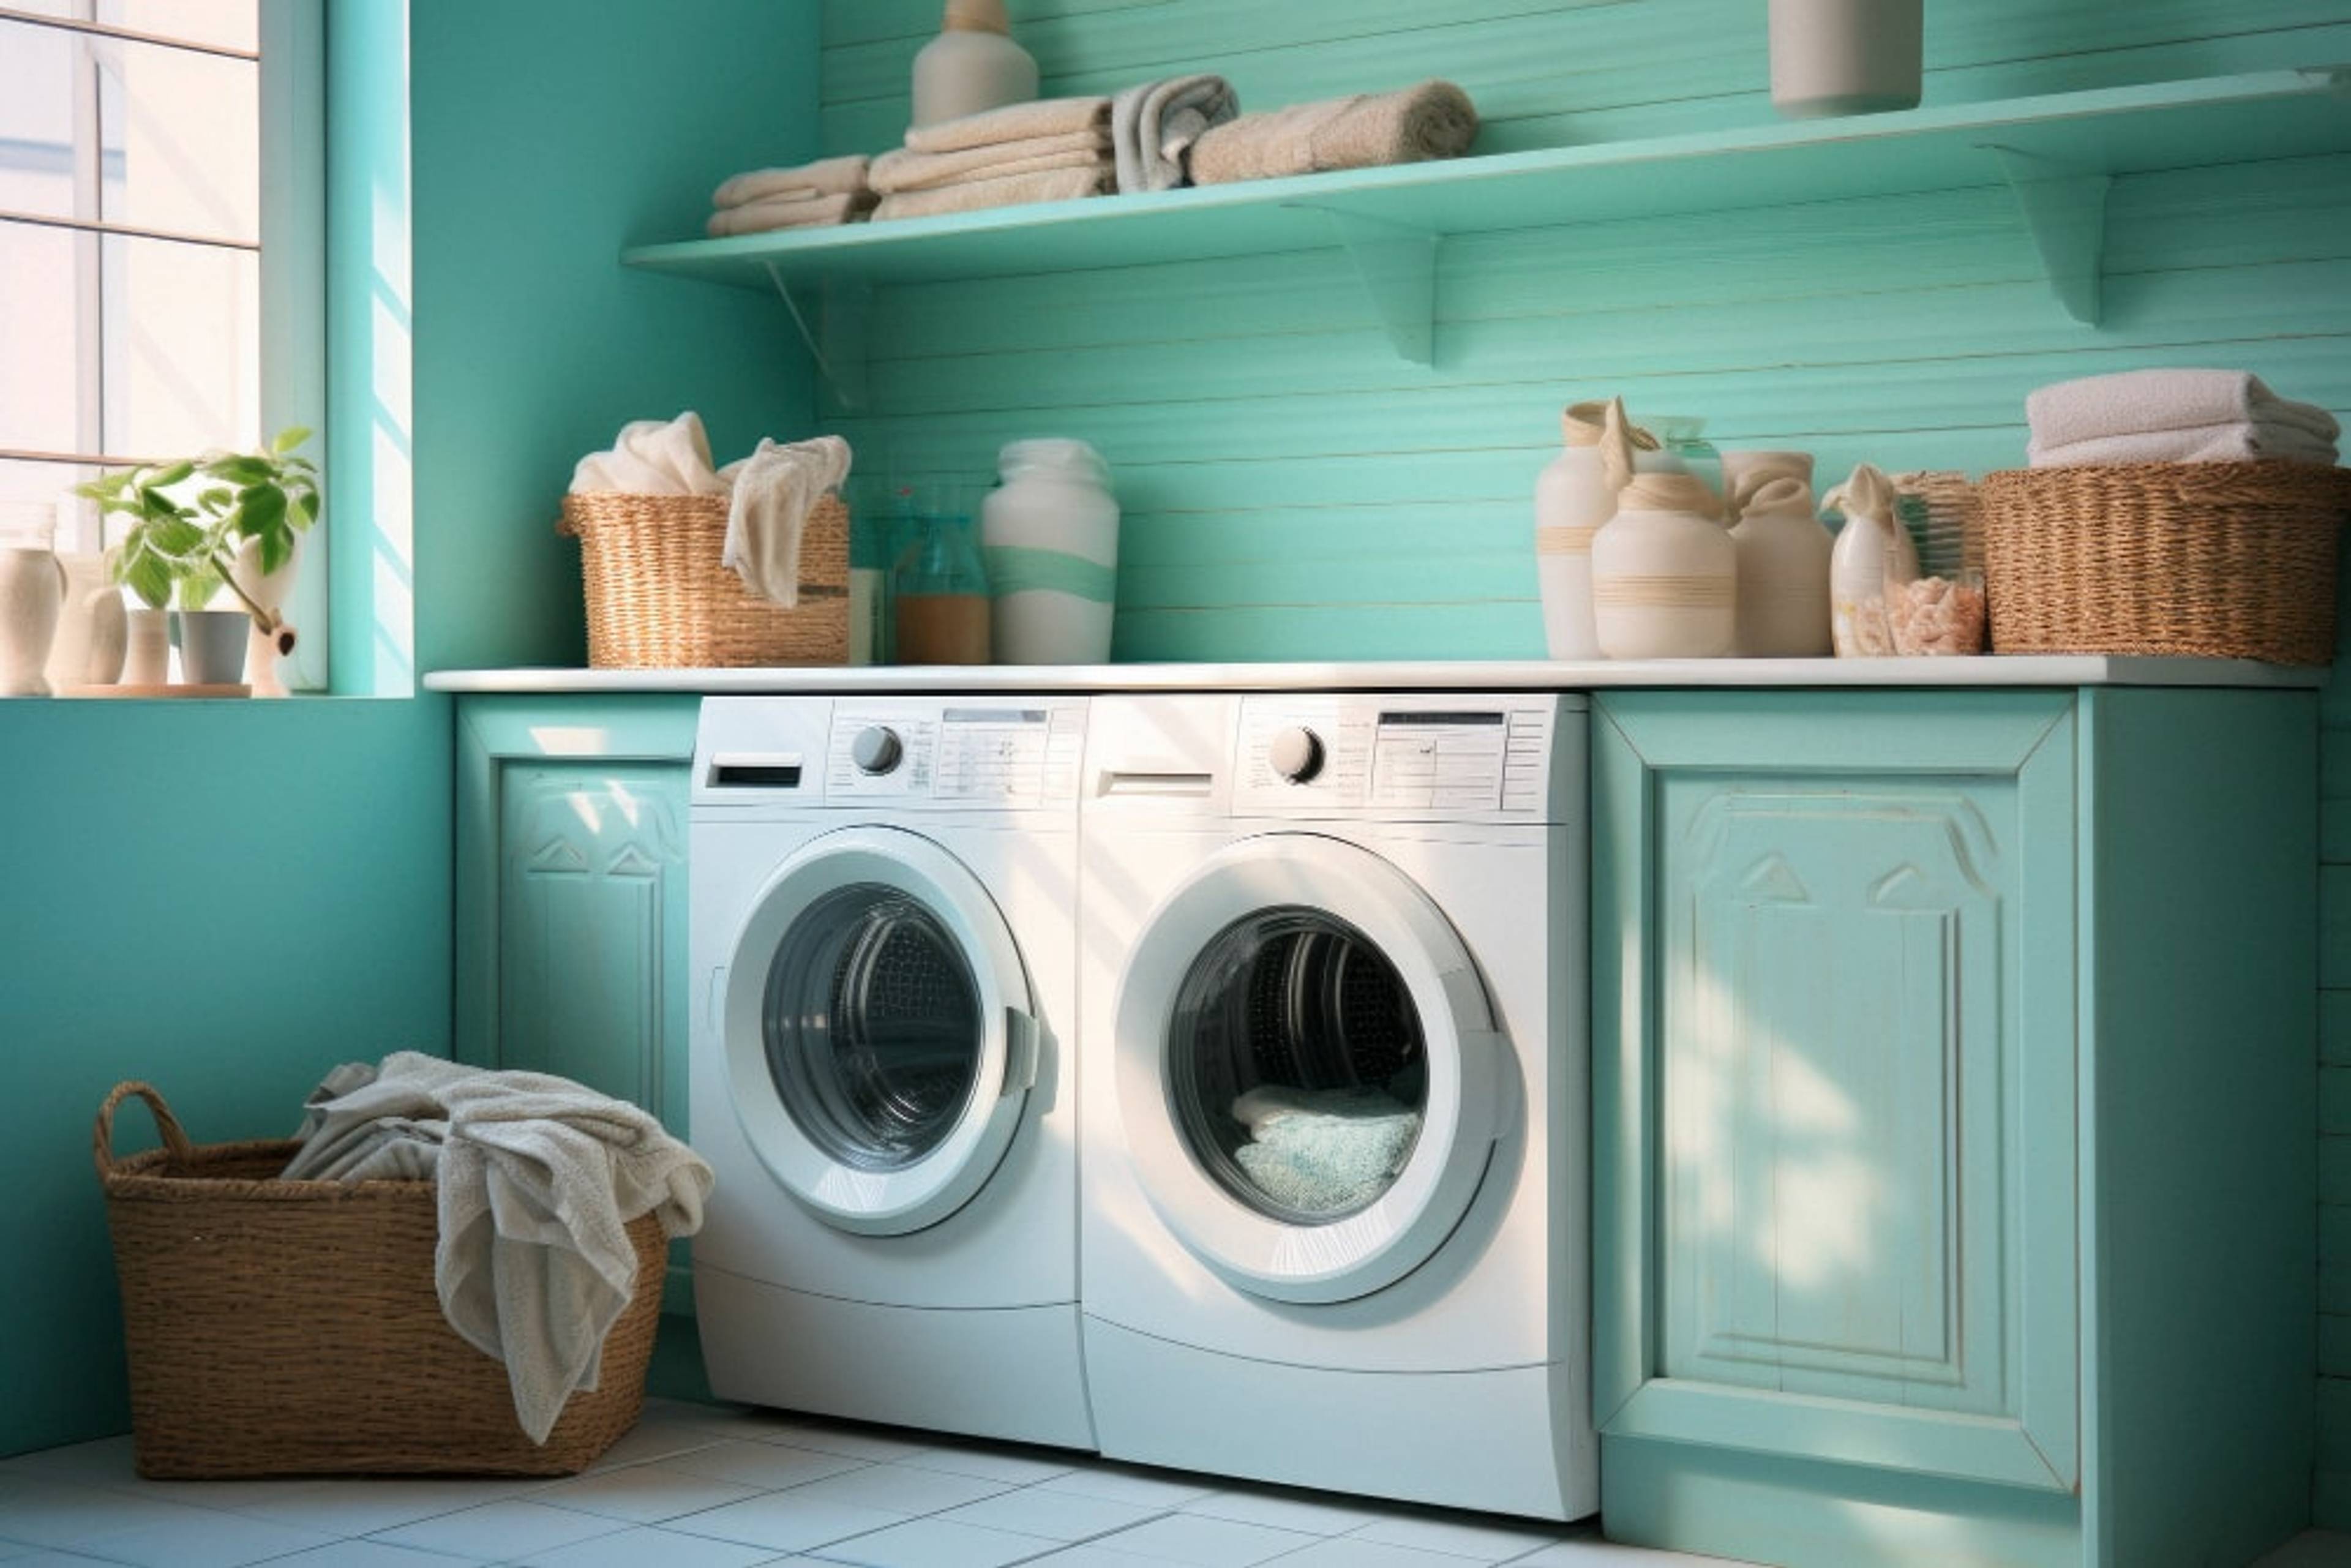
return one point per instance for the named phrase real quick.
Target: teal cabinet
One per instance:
(571, 878)
(1855, 1199)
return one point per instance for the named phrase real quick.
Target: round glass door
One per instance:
(1307, 1075)
(880, 1039)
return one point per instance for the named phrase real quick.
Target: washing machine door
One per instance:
(1308, 1074)
(879, 1036)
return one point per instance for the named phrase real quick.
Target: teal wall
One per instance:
(547, 135)
(227, 899)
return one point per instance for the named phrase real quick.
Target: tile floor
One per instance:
(698, 1486)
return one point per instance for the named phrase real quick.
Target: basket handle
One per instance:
(175, 1138)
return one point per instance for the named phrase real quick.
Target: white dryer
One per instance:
(885, 949)
(1335, 1227)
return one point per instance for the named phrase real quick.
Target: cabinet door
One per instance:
(1837, 1065)
(591, 928)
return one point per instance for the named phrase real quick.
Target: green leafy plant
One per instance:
(189, 517)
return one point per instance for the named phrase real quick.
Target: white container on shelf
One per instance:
(1664, 575)
(1574, 495)
(1871, 548)
(972, 66)
(1050, 536)
(1846, 57)
(1783, 566)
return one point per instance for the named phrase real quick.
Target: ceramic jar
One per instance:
(1049, 535)
(87, 650)
(1846, 56)
(32, 591)
(147, 646)
(1783, 566)
(1574, 495)
(1872, 548)
(1665, 574)
(268, 590)
(972, 66)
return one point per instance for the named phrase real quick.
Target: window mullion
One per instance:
(84, 530)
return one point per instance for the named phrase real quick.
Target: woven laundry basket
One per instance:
(292, 1327)
(2223, 560)
(658, 598)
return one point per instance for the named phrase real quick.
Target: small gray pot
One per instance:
(212, 645)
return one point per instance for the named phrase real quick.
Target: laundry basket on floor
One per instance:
(292, 1327)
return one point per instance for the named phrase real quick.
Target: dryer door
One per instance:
(1308, 1074)
(879, 1035)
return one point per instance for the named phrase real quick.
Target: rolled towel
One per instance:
(1155, 124)
(2204, 444)
(903, 169)
(653, 457)
(775, 489)
(975, 195)
(1433, 120)
(1013, 123)
(826, 177)
(2133, 403)
(789, 212)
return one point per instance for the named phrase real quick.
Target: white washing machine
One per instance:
(885, 949)
(1335, 1219)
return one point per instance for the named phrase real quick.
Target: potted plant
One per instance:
(223, 520)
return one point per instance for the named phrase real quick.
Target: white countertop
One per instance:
(1416, 675)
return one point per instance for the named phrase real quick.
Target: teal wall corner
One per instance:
(543, 142)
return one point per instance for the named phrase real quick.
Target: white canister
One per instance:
(89, 587)
(1664, 575)
(32, 590)
(972, 66)
(1846, 57)
(1048, 534)
(146, 647)
(1870, 546)
(1574, 495)
(1783, 566)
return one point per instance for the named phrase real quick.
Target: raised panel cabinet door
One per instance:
(1859, 1060)
(591, 928)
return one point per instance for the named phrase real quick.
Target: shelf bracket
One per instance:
(1398, 269)
(2065, 209)
(831, 318)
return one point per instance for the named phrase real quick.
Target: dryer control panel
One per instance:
(1009, 752)
(1421, 755)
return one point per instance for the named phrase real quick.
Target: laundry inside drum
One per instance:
(1298, 1065)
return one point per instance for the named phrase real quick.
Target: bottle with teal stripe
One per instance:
(1050, 534)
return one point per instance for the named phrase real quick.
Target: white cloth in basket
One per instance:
(540, 1179)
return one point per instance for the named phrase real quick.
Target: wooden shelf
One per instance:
(2059, 151)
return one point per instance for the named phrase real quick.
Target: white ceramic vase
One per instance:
(1576, 494)
(1783, 568)
(146, 647)
(263, 649)
(87, 624)
(1664, 575)
(32, 590)
(972, 66)
(1050, 536)
(1846, 56)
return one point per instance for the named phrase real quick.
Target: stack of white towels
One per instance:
(2174, 416)
(1052, 150)
(807, 195)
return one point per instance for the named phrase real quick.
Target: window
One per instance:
(136, 200)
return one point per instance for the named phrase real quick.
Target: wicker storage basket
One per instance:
(292, 1327)
(659, 600)
(2224, 560)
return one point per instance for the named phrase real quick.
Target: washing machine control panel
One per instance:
(1007, 753)
(1417, 754)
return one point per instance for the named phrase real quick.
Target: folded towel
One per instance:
(791, 213)
(903, 169)
(1433, 120)
(1323, 1151)
(2132, 402)
(775, 489)
(972, 195)
(825, 177)
(538, 1179)
(1155, 124)
(2204, 444)
(1013, 123)
(653, 457)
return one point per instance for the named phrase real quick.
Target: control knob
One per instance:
(877, 750)
(1296, 754)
